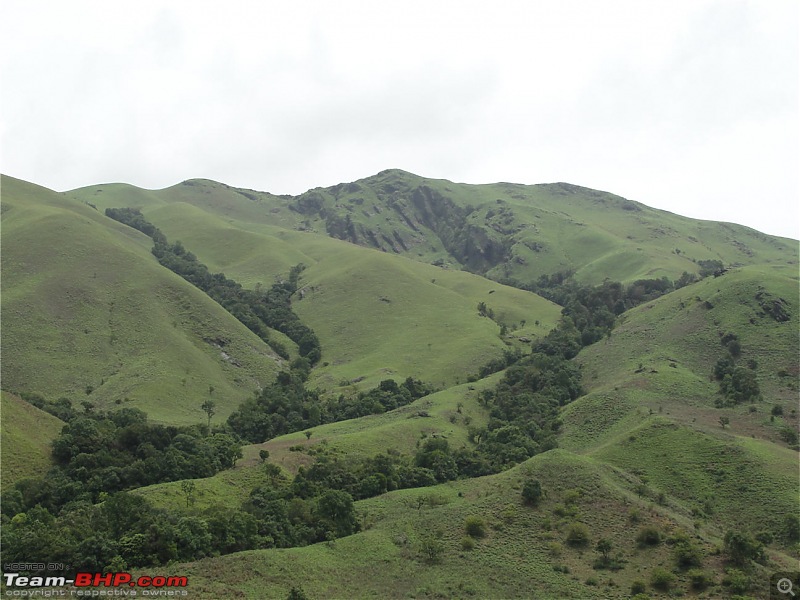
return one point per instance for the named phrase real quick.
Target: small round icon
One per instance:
(785, 586)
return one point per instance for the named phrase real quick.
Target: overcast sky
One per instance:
(689, 106)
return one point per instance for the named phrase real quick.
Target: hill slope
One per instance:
(507, 231)
(27, 433)
(90, 315)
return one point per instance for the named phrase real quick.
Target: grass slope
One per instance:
(377, 315)
(523, 554)
(660, 358)
(511, 230)
(27, 433)
(89, 314)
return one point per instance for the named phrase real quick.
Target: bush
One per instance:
(532, 492)
(687, 554)
(648, 536)
(700, 579)
(741, 548)
(475, 526)
(431, 548)
(578, 534)
(638, 587)
(467, 543)
(661, 579)
(737, 581)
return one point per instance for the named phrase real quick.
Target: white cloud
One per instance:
(687, 106)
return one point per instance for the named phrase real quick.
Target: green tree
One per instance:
(188, 487)
(208, 407)
(577, 534)
(532, 492)
(604, 548)
(431, 547)
(297, 593)
(336, 509)
(740, 548)
(475, 526)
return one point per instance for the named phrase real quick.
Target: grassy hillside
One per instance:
(504, 230)
(524, 552)
(25, 443)
(661, 357)
(377, 315)
(90, 315)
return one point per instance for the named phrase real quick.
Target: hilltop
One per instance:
(508, 232)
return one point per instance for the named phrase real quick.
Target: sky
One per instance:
(689, 106)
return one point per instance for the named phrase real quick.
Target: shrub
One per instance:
(687, 554)
(467, 543)
(532, 492)
(741, 548)
(555, 549)
(431, 548)
(648, 536)
(661, 579)
(475, 526)
(578, 534)
(700, 579)
(737, 581)
(638, 587)
(571, 497)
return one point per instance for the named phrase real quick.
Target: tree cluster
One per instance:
(256, 309)
(737, 383)
(524, 409)
(97, 454)
(286, 406)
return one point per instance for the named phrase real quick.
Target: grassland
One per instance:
(541, 228)
(27, 433)
(377, 315)
(89, 314)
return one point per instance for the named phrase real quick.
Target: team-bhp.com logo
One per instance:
(149, 586)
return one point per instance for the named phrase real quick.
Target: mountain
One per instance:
(505, 231)
(675, 466)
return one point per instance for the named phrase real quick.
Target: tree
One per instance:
(741, 548)
(431, 547)
(532, 492)
(723, 421)
(603, 547)
(188, 487)
(336, 508)
(578, 534)
(263, 455)
(475, 526)
(208, 408)
(297, 593)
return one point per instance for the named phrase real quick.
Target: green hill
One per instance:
(27, 433)
(377, 315)
(88, 314)
(506, 231)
